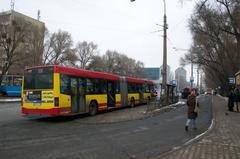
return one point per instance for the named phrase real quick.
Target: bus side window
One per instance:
(17, 81)
(82, 85)
(147, 90)
(4, 81)
(100, 86)
(104, 86)
(151, 88)
(117, 87)
(7, 80)
(65, 84)
(90, 86)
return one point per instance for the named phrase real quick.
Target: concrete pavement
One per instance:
(221, 142)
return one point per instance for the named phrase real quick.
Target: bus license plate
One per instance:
(36, 104)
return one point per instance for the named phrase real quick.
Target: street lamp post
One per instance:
(164, 68)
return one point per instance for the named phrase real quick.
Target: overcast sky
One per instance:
(120, 25)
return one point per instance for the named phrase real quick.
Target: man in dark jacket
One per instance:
(192, 115)
(231, 100)
(237, 97)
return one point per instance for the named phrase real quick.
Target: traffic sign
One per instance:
(231, 80)
(191, 79)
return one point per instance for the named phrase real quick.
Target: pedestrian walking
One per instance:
(237, 97)
(231, 100)
(193, 105)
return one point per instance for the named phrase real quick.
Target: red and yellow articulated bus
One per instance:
(58, 90)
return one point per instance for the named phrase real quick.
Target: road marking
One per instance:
(142, 128)
(177, 117)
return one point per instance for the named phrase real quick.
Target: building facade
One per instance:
(181, 78)
(25, 37)
(152, 73)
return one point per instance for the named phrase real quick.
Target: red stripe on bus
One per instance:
(136, 80)
(53, 111)
(85, 73)
(102, 105)
(118, 105)
(102, 108)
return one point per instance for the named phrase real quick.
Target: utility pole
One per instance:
(201, 82)
(198, 77)
(164, 70)
(191, 78)
(38, 15)
(12, 4)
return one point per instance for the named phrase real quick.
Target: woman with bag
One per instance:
(193, 108)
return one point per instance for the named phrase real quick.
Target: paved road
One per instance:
(42, 138)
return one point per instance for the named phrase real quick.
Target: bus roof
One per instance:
(85, 73)
(90, 74)
(79, 72)
(137, 80)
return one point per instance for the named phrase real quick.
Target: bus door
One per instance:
(111, 94)
(74, 95)
(141, 93)
(82, 95)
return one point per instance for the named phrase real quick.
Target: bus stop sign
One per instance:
(231, 80)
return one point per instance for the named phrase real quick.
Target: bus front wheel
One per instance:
(93, 108)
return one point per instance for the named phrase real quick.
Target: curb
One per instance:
(10, 100)
(172, 106)
(195, 139)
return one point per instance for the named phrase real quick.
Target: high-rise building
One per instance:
(180, 77)
(154, 73)
(169, 74)
(26, 35)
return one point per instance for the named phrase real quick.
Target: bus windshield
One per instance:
(38, 78)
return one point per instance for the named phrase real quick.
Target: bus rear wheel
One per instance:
(93, 108)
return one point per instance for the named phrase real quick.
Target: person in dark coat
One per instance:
(237, 97)
(231, 100)
(191, 103)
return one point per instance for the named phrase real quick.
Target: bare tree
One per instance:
(48, 47)
(97, 64)
(138, 70)
(58, 49)
(117, 63)
(215, 27)
(85, 52)
(110, 58)
(11, 39)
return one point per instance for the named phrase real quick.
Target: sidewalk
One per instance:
(221, 142)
